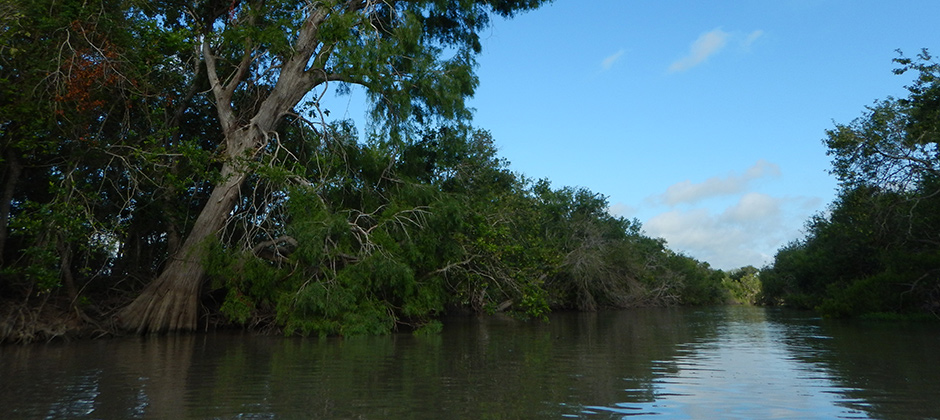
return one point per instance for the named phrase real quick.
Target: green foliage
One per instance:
(237, 307)
(92, 108)
(876, 251)
(431, 328)
(743, 284)
(701, 286)
(397, 232)
(119, 119)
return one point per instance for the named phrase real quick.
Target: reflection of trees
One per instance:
(97, 379)
(157, 368)
(888, 370)
(490, 367)
(894, 368)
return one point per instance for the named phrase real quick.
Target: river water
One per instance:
(684, 363)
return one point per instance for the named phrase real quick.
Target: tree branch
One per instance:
(280, 251)
(223, 99)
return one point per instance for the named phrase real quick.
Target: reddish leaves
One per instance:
(89, 73)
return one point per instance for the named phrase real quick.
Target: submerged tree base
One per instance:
(167, 304)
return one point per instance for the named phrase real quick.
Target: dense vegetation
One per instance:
(170, 165)
(876, 252)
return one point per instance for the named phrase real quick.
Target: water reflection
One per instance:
(745, 369)
(886, 369)
(729, 362)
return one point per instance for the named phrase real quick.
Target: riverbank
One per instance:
(51, 318)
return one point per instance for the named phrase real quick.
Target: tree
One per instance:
(894, 145)
(179, 157)
(743, 284)
(877, 249)
(262, 58)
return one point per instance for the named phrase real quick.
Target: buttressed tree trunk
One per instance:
(393, 48)
(171, 301)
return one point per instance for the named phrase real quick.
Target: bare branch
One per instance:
(223, 98)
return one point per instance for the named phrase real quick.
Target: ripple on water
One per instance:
(733, 362)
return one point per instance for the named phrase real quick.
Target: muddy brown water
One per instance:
(682, 363)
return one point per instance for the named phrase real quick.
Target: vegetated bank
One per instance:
(392, 238)
(876, 251)
(172, 168)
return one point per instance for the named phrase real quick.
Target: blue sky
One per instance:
(703, 120)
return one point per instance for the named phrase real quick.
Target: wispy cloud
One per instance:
(686, 192)
(752, 207)
(745, 230)
(609, 61)
(737, 226)
(622, 210)
(751, 38)
(746, 233)
(711, 43)
(705, 46)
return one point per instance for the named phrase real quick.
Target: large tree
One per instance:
(261, 58)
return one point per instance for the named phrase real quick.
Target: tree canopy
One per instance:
(170, 165)
(877, 251)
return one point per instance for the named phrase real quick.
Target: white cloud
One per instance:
(746, 230)
(609, 61)
(705, 46)
(747, 233)
(689, 193)
(752, 207)
(762, 168)
(622, 210)
(751, 38)
(711, 43)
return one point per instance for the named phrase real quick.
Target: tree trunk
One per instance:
(65, 267)
(6, 201)
(171, 301)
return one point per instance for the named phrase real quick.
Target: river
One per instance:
(665, 363)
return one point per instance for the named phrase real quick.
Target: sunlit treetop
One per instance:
(415, 59)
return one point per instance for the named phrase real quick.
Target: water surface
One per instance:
(723, 362)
